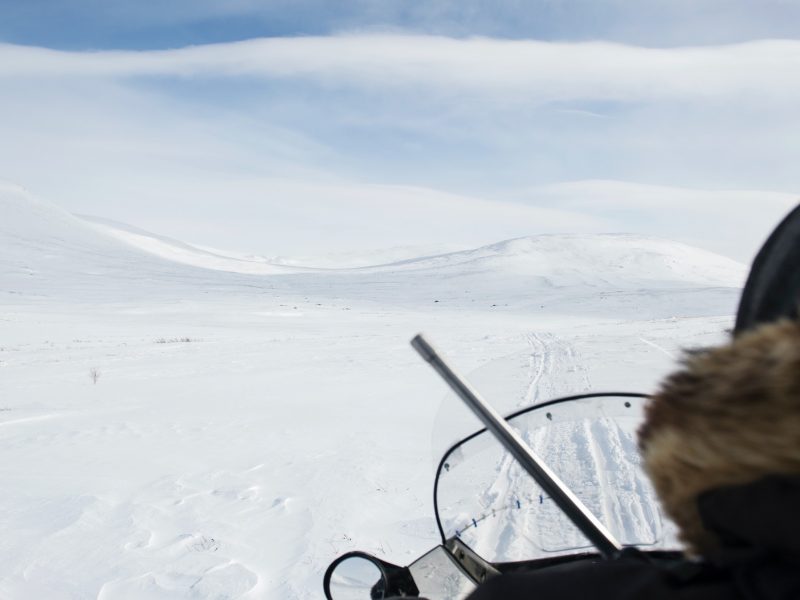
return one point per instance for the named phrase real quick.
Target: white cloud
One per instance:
(731, 222)
(533, 70)
(430, 143)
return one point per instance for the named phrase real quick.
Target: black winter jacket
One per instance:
(759, 559)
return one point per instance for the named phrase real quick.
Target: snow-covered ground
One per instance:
(181, 423)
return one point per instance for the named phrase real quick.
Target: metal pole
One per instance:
(569, 504)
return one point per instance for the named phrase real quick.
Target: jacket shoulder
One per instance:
(618, 580)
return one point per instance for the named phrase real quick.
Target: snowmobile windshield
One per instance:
(487, 500)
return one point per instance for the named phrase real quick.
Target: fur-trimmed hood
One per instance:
(729, 417)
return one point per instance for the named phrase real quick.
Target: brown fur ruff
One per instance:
(730, 416)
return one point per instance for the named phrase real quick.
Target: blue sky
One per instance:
(303, 127)
(150, 24)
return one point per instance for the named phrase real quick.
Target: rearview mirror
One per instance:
(361, 576)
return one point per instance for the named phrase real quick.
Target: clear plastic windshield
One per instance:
(486, 499)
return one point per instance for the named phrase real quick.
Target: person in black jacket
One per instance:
(721, 444)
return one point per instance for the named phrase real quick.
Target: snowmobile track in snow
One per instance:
(554, 369)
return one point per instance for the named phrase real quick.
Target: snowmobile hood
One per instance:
(729, 417)
(754, 520)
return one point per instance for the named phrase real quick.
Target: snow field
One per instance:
(244, 429)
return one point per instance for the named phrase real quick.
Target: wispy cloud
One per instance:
(299, 145)
(529, 70)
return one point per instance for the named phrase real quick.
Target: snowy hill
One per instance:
(575, 259)
(180, 252)
(560, 259)
(47, 252)
(240, 262)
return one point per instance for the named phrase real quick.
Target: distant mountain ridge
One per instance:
(45, 249)
(607, 254)
(181, 252)
(612, 251)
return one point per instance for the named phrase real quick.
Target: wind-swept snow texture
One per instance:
(179, 423)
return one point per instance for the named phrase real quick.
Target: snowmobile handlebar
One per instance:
(563, 497)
